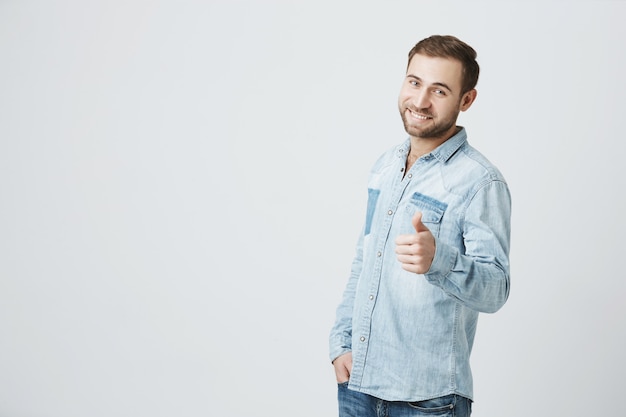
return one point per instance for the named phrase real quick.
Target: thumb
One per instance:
(417, 223)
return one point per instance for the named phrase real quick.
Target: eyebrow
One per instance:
(439, 84)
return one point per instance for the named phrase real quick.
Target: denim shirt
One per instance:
(411, 335)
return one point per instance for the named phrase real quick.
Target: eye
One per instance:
(440, 92)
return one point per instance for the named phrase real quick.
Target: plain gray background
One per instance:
(182, 185)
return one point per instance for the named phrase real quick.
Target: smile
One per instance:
(419, 116)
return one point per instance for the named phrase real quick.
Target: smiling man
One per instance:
(432, 255)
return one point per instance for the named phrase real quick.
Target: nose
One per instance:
(421, 99)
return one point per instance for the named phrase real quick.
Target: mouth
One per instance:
(419, 116)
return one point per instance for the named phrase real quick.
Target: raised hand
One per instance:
(416, 251)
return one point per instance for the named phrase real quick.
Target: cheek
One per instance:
(402, 99)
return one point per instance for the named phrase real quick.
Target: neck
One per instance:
(421, 146)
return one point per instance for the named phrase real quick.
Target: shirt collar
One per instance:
(443, 152)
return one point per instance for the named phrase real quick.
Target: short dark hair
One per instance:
(447, 46)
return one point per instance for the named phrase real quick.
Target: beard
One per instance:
(433, 131)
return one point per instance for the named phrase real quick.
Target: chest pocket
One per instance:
(432, 211)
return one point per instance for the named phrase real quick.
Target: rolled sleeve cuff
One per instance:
(442, 265)
(339, 347)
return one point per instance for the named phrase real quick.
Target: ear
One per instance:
(467, 99)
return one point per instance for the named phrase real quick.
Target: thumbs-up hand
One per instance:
(416, 251)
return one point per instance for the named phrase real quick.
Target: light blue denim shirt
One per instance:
(411, 335)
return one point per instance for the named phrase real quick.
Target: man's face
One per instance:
(430, 99)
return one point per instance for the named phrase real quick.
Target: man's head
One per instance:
(446, 46)
(441, 75)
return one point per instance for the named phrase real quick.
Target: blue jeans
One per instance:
(357, 404)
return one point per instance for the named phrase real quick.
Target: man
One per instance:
(433, 253)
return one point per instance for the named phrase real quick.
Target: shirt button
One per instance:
(390, 212)
(379, 254)
(410, 175)
(371, 297)
(362, 339)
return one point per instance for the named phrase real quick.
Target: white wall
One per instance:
(182, 184)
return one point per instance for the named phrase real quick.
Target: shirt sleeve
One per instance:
(478, 278)
(340, 340)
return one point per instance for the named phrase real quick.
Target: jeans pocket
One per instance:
(442, 406)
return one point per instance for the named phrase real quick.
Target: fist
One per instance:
(416, 251)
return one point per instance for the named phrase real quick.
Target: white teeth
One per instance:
(419, 116)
